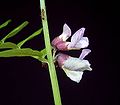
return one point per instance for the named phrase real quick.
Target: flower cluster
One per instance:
(72, 66)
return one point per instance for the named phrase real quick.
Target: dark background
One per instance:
(23, 81)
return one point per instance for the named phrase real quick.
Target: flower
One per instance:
(74, 67)
(60, 41)
(77, 39)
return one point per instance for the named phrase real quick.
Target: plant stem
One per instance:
(52, 71)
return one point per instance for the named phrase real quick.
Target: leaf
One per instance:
(19, 53)
(0, 41)
(42, 58)
(30, 37)
(24, 52)
(8, 45)
(43, 53)
(5, 24)
(15, 31)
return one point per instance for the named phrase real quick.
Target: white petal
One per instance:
(83, 43)
(74, 75)
(84, 53)
(76, 64)
(76, 37)
(66, 32)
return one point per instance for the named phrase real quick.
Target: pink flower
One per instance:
(77, 40)
(74, 67)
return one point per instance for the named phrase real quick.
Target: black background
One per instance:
(23, 81)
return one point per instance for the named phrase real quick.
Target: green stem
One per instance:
(52, 71)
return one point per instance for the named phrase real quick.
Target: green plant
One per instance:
(72, 66)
